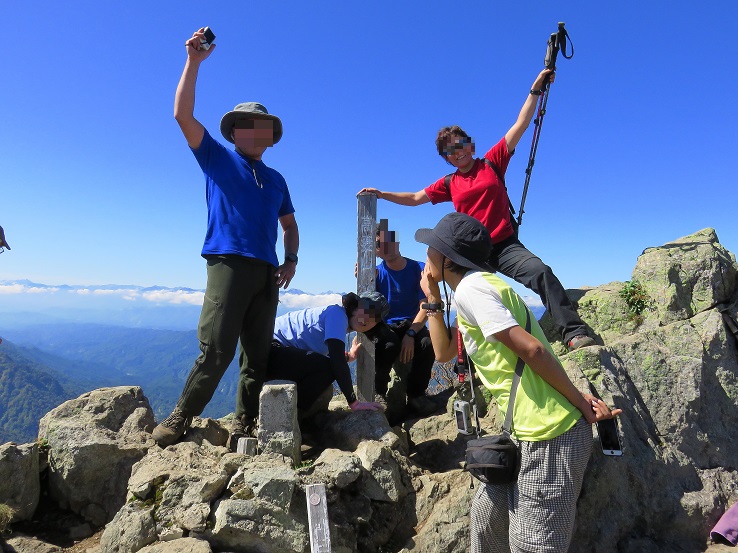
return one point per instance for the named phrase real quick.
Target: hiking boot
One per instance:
(243, 427)
(381, 399)
(171, 428)
(422, 405)
(581, 341)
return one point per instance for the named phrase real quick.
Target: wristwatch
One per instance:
(410, 332)
(291, 257)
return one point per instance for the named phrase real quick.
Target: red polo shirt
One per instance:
(480, 193)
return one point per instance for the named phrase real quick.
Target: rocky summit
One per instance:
(665, 354)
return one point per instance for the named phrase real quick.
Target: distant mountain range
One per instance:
(61, 341)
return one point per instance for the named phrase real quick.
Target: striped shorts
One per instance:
(536, 513)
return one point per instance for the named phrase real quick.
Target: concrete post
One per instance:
(279, 431)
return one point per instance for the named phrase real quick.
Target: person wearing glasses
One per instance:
(477, 188)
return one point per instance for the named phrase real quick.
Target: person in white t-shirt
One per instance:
(551, 417)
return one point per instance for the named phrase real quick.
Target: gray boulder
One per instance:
(181, 482)
(184, 545)
(94, 441)
(132, 528)
(673, 369)
(20, 486)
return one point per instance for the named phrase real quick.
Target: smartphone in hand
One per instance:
(607, 429)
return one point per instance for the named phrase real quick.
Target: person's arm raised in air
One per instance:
(513, 136)
(443, 339)
(401, 198)
(184, 98)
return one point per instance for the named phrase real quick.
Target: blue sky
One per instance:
(98, 185)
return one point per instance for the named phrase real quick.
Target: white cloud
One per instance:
(533, 301)
(303, 301)
(119, 292)
(12, 289)
(177, 297)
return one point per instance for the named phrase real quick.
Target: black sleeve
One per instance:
(340, 368)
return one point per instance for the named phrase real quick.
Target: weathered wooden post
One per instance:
(320, 531)
(366, 282)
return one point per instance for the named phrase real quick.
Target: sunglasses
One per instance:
(458, 145)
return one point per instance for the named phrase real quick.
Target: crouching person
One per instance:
(551, 417)
(309, 347)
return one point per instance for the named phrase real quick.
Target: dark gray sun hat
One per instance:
(248, 110)
(462, 239)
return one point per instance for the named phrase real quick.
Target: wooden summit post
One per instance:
(366, 282)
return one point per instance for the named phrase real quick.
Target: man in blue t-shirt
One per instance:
(245, 200)
(404, 335)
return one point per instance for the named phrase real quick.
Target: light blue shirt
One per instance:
(308, 329)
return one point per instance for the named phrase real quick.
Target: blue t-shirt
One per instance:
(402, 289)
(242, 216)
(308, 329)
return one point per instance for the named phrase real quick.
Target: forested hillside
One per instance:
(28, 390)
(85, 357)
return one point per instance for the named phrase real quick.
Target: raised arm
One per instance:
(444, 342)
(513, 136)
(401, 198)
(184, 98)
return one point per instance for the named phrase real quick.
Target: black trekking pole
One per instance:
(556, 42)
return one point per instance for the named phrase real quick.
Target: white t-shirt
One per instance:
(486, 305)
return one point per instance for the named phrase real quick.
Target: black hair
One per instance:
(350, 303)
(454, 267)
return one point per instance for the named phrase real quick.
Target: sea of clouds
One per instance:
(23, 303)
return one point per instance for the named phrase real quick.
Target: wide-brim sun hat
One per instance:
(462, 239)
(248, 110)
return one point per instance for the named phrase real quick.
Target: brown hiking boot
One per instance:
(581, 341)
(171, 428)
(243, 426)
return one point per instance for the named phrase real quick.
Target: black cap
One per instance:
(462, 239)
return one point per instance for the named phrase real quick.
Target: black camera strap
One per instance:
(519, 366)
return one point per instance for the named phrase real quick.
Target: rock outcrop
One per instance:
(664, 356)
(93, 442)
(20, 487)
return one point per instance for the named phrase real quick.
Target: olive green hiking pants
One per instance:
(240, 303)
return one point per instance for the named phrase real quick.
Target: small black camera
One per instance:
(208, 40)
